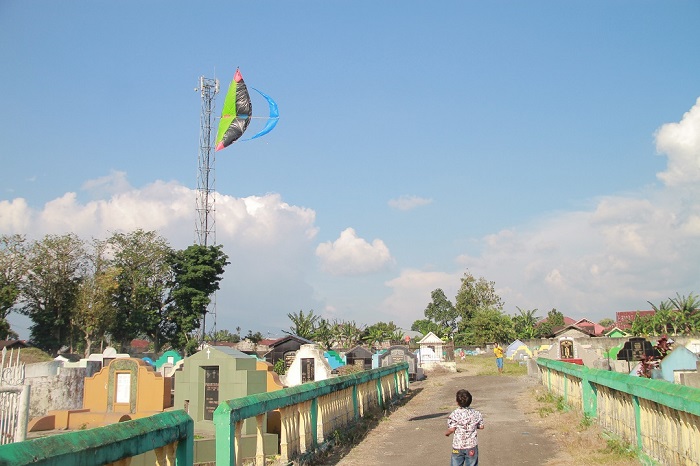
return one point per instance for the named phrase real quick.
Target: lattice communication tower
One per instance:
(206, 175)
(205, 227)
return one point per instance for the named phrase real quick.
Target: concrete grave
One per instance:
(359, 356)
(679, 360)
(125, 389)
(635, 349)
(308, 365)
(568, 349)
(211, 376)
(430, 348)
(285, 349)
(397, 354)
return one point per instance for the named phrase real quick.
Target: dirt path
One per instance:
(414, 433)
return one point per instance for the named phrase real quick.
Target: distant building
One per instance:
(591, 327)
(623, 320)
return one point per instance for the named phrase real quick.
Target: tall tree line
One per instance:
(477, 317)
(131, 285)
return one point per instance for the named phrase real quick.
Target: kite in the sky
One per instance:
(237, 112)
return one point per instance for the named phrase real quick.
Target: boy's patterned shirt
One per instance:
(466, 421)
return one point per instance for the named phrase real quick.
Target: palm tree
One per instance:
(662, 317)
(397, 336)
(689, 308)
(526, 322)
(375, 336)
(304, 326)
(324, 334)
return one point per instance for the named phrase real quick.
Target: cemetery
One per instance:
(217, 384)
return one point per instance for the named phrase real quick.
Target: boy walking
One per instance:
(464, 422)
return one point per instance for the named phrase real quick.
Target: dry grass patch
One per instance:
(581, 440)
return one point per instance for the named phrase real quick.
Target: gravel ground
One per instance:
(414, 433)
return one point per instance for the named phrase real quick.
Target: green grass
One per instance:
(485, 364)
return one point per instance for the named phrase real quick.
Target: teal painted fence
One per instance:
(169, 435)
(308, 412)
(661, 418)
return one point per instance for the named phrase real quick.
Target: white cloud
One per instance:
(269, 242)
(351, 255)
(408, 202)
(114, 183)
(681, 143)
(618, 255)
(15, 216)
(410, 293)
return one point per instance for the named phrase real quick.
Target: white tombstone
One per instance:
(308, 365)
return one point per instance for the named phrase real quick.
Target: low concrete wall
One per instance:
(661, 418)
(167, 436)
(54, 388)
(310, 413)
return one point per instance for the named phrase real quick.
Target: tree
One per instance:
(425, 325)
(473, 295)
(487, 325)
(55, 268)
(324, 334)
(688, 308)
(197, 271)
(224, 336)
(255, 338)
(642, 325)
(554, 319)
(525, 323)
(143, 295)
(378, 333)
(661, 320)
(12, 269)
(396, 337)
(303, 326)
(441, 311)
(607, 322)
(349, 334)
(374, 336)
(94, 311)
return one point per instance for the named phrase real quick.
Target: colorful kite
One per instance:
(237, 112)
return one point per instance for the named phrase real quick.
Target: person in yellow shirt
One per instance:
(499, 352)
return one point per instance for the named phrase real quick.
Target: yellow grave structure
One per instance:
(125, 389)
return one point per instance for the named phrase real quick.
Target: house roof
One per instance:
(613, 329)
(232, 352)
(267, 341)
(624, 319)
(9, 344)
(430, 338)
(567, 321)
(303, 341)
(559, 330)
(591, 326)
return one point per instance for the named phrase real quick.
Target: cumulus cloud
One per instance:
(270, 243)
(681, 143)
(408, 202)
(617, 255)
(351, 255)
(410, 293)
(114, 183)
(621, 253)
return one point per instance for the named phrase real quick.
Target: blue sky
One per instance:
(551, 147)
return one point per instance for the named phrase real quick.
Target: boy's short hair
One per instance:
(464, 398)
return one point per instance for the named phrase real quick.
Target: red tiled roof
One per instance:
(267, 341)
(592, 327)
(139, 343)
(624, 319)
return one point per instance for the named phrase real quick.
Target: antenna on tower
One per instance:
(205, 226)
